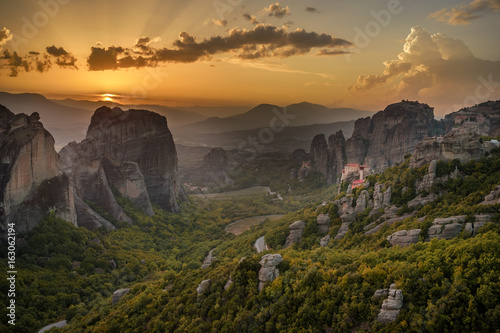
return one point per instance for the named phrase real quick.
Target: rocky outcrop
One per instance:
(213, 171)
(493, 197)
(391, 306)
(268, 271)
(404, 237)
(323, 221)
(228, 283)
(358, 144)
(128, 180)
(203, 287)
(31, 180)
(131, 152)
(117, 295)
(318, 153)
(324, 241)
(446, 228)
(363, 202)
(336, 156)
(83, 164)
(483, 118)
(389, 135)
(381, 199)
(296, 230)
(209, 259)
(463, 147)
(142, 137)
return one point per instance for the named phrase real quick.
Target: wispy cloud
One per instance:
(465, 14)
(277, 10)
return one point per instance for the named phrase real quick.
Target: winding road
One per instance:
(260, 245)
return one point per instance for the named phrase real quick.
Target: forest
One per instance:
(452, 285)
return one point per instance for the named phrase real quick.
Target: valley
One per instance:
(348, 234)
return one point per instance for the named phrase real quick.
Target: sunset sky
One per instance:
(362, 54)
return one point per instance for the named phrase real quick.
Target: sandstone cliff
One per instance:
(141, 137)
(463, 147)
(131, 152)
(31, 181)
(213, 171)
(379, 142)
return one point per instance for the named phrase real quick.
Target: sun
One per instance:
(108, 97)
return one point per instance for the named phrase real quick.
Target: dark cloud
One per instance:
(14, 62)
(250, 18)
(464, 14)
(63, 58)
(261, 41)
(5, 36)
(312, 10)
(277, 11)
(325, 52)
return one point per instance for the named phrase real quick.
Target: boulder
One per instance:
(209, 259)
(203, 287)
(268, 271)
(324, 241)
(391, 306)
(296, 230)
(404, 237)
(323, 221)
(117, 295)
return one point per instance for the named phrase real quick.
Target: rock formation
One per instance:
(357, 146)
(483, 119)
(131, 152)
(390, 134)
(296, 230)
(404, 237)
(391, 306)
(228, 283)
(323, 221)
(381, 199)
(142, 137)
(493, 197)
(324, 241)
(203, 287)
(463, 147)
(268, 271)
(117, 295)
(213, 171)
(83, 164)
(319, 155)
(363, 202)
(446, 228)
(209, 259)
(31, 180)
(336, 156)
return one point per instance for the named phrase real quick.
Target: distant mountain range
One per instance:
(264, 115)
(67, 120)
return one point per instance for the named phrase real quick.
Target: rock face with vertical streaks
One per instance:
(31, 180)
(142, 137)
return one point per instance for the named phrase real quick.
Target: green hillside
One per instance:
(452, 285)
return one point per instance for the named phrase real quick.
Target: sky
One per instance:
(364, 54)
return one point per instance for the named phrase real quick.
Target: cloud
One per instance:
(263, 40)
(312, 10)
(63, 58)
(325, 52)
(250, 18)
(221, 23)
(5, 36)
(35, 60)
(277, 11)
(432, 67)
(464, 14)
